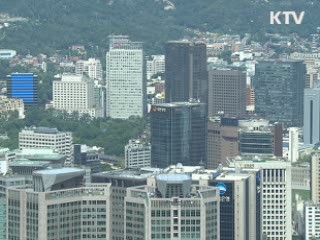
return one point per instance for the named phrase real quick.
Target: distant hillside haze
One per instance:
(57, 24)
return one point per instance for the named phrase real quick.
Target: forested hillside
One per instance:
(56, 24)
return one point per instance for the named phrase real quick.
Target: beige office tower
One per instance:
(227, 93)
(120, 180)
(59, 206)
(275, 194)
(172, 208)
(223, 141)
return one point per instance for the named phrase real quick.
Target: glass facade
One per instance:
(178, 134)
(23, 86)
(186, 71)
(279, 89)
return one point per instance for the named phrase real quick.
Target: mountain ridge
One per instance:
(57, 24)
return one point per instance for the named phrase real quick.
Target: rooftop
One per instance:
(59, 171)
(142, 173)
(27, 163)
(177, 104)
(173, 177)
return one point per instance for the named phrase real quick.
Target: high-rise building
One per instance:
(43, 137)
(278, 87)
(6, 182)
(311, 115)
(155, 64)
(255, 138)
(240, 198)
(186, 71)
(275, 190)
(172, 208)
(121, 180)
(23, 86)
(223, 140)
(227, 93)
(312, 221)
(230, 137)
(59, 206)
(178, 134)
(293, 144)
(137, 154)
(91, 67)
(125, 80)
(76, 93)
(240, 204)
(315, 178)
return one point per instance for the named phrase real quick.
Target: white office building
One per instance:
(91, 67)
(275, 194)
(5, 158)
(155, 64)
(75, 93)
(315, 178)
(137, 154)
(311, 115)
(172, 208)
(125, 78)
(312, 221)
(43, 137)
(293, 144)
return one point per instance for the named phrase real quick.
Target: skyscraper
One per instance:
(275, 182)
(125, 80)
(121, 180)
(240, 204)
(278, 87)
(59, 206)
(178, 134)
(172, 208)
(223, 140)
(227, 92)
(311, 115)
(23, 86)
(186, 71)
(230, 137)
(315, 178)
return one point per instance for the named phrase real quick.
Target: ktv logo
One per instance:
(286, 17)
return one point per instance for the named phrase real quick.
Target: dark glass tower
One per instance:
(186, 72)
(23, 86)
(178, 134)
(279, 89)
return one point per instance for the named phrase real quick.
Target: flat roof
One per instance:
(49, 157)
(129, 173)
(173, 177)
(27, 163)
(178, 104)
(60, 171)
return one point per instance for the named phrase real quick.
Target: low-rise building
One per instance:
(137, 154)
(10, 105)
